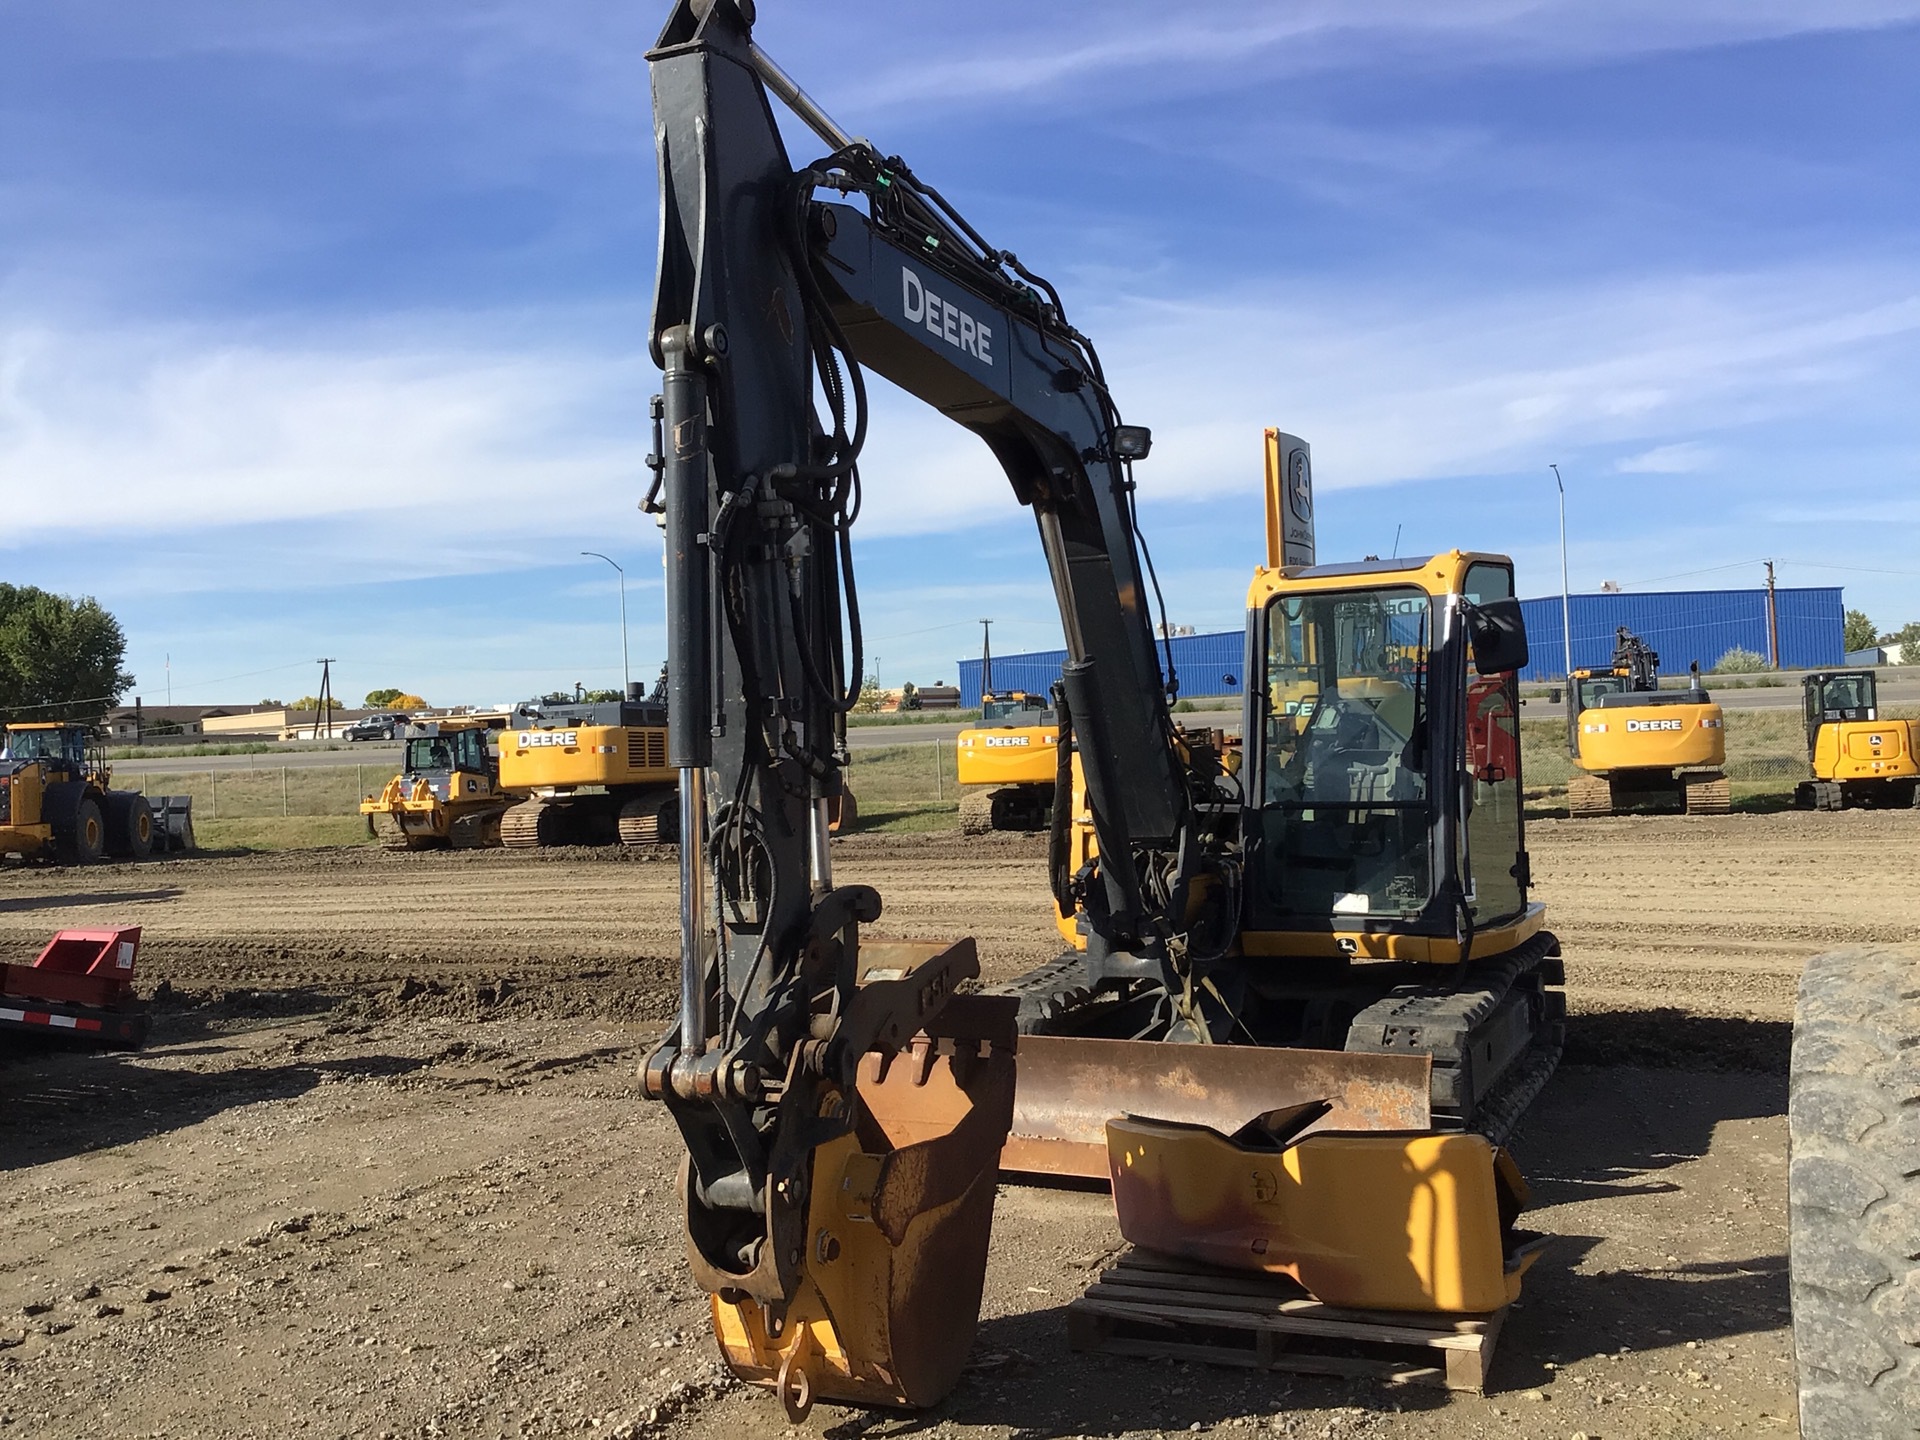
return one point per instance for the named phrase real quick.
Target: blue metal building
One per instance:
(1683, 625)
(1205, 665)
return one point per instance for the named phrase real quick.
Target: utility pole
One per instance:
(323, 708)
(626, 672)
(1566, 607)
(1773, 621)
(986, 660)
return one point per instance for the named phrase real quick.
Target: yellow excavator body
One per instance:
(1863, 750)
(1008, 765)
(1858, 756)
(1632, 742)
(1647, 737)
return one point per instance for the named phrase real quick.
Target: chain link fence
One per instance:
(234, 794)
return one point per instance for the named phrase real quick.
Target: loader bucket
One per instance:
(1070, 1087)
(1364, 1222)
(897, 1236)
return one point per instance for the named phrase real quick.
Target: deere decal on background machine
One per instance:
(1857, 758)
(1330, 957)
(57, 801)
(1008, 764)
(1631, 741)
(447, 794)
(587, 773)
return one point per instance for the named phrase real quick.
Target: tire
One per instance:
(1854, 1194)
(129, 825)
(80, 834)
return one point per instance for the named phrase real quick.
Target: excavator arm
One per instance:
(778, 287)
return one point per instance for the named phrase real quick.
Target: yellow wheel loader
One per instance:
(1006, 764)
(57, 802)
(447, 794)
(1857, 758)
(1632, 742)
(1302, 1005)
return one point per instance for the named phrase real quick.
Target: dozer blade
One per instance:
(897, 1231)
(1070, 1087)
(1365, 1222)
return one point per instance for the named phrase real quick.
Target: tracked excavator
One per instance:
(1330, 957)
(1632, 742)
(1005, 765)
(1857, 757)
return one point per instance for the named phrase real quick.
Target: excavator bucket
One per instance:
(1070, 1087)
(1366, 1222)
(897, 1228)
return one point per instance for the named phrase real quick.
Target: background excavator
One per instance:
(587, 773)
(1330, 954)
(1006, 764)
(1857, 758)
(1631, 741)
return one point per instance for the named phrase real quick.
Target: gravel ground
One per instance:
(383, 1171)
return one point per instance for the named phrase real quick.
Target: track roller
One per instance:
(651, 818)
(1707, 793)
(1589, 795)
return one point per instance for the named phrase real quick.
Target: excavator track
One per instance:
(650, 819)
(1495, 1034)
(976, 812)
(1500, 1014)
(1707, 793)
(1589, 795)
(521, 827)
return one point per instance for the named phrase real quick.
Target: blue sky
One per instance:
(322, 329)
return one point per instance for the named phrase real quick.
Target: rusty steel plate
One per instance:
(1068, 1088)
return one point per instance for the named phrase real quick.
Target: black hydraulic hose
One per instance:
(1060, 826)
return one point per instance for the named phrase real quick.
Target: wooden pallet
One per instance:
(1149, 1304)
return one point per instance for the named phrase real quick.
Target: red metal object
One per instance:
(80, 986)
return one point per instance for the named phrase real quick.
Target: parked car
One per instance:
(378, 727)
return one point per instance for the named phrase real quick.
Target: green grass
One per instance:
(297, 832)
(275, 793)
(895, 775)
(907, 819)
(168, 752)
(916, 717)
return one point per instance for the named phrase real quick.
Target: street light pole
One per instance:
(626, 670)
(1566, 617)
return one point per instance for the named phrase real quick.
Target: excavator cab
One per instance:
(1839, 699)
(1353, 800)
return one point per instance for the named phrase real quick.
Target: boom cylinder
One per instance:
(684, 489)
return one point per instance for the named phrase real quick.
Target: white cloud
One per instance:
(420, 452)
(1682, 458)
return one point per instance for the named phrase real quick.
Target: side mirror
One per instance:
(1498, 636)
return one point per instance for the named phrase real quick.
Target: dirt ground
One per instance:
(383, 1170)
